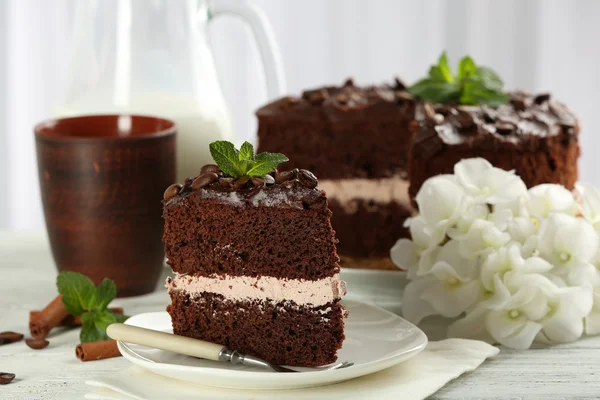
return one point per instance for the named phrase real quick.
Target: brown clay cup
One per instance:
(102, 179)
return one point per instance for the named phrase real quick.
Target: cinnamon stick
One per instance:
(50, 317)
(69, 320)
(97, 350)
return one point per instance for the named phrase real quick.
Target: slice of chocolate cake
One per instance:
(255, 260)
(356, 140)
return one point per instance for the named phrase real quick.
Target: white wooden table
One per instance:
(27, 276)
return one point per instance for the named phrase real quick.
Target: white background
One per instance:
(539, 45)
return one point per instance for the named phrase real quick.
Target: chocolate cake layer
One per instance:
(533, 135)
(281, 333)
(380, 225)
(341, 132)
(278, 231)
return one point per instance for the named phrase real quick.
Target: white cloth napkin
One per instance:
(414, 379)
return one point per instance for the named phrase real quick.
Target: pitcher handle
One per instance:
(263, 34)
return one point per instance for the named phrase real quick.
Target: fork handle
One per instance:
(165, 341)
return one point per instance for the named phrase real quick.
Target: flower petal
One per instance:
(471, 326)
(404, 254)
(450, 301)
(414, 309)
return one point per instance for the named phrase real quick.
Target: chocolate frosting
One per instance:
(523, 122)
(334, 99)
(294, 192)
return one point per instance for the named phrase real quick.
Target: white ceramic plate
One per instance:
(375, 339)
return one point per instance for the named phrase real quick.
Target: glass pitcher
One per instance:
(152, 57)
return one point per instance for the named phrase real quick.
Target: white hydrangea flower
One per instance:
(547, 198)
(590, 203)
(440, 202)
(571, 245)
(486, 183)
(448, 288)
(406, 253)
(482, 238)
(513, 265)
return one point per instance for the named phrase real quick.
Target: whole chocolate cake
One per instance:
(533, 135)
(356, 140)
(255, 262)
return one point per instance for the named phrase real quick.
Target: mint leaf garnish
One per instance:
(472, 85)
(265, 163)
(226, 157)
(81, 297)
(105, 293)
(78, 292)
(244, 162)
(246, 152)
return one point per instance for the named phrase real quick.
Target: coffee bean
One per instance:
(10, 337)
(226, 182)
(37, 344)
(204, 180)
(241, 182)
(258, 181)
(316, 97)
(269, 180)
(172, 191)
(307, 179)
(464, 120)
(503, 128)
(209, 168)
(398, 84)
(518, 104)
(541, 98)
(428, 111)
(284, 176)
(6, 377)
(489, 115)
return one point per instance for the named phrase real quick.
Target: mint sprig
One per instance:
(237, 163)
(472, 84)
(82, 298)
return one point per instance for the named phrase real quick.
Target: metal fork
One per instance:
(195, 348)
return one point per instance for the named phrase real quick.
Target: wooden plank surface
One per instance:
(26, 282)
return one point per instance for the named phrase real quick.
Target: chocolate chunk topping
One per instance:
(204, 180)
(307, 179)
(542, 98)
(349, 82)
(518, 103)
(172, 191)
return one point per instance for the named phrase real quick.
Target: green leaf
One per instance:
(444, 68)
(466, 68)
(472, 85)
(120, 317)
(435, 92)
(78, 292)
(265, 163)
(105, 293)
(227, 157)
(246, 152)
(489, 78)
(95, 324)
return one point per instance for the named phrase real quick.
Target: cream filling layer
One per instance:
(300, 291)
(385, 190)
